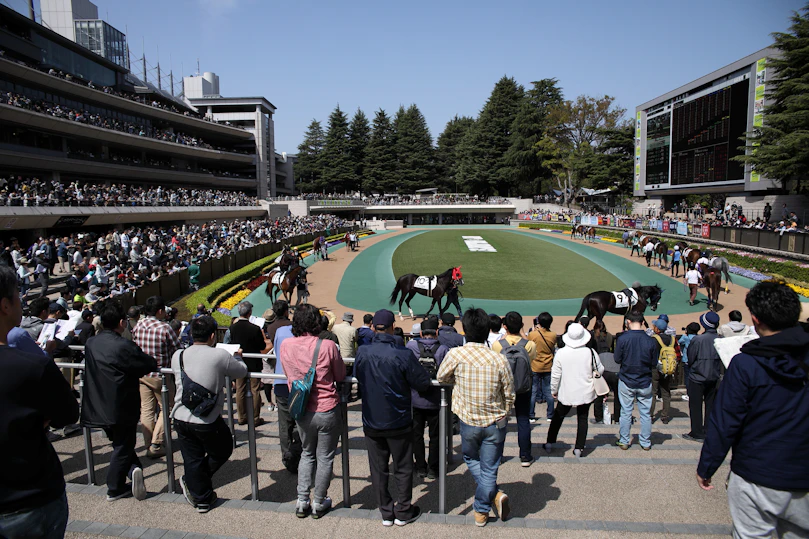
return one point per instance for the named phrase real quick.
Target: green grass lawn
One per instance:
(521, 269)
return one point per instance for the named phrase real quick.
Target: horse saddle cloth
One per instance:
(425, 283)
(622, 301)
(687, 251)
(278, 278)
(278, 260)
(642, 238)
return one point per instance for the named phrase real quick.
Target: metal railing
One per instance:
(444, 433)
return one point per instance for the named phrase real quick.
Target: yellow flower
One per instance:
(235, 299)
(803, 291)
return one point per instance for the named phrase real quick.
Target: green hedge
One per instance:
(211, 294)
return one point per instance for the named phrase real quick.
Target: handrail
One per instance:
(348, 360)
(444, 433)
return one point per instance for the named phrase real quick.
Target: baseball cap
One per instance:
(383, 318)
(663, 317)
(660, 324)
(416, 329)
(430, 324)
(448, 319)
(709, 320)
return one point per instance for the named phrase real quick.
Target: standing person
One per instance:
(706, 367)
(496, 331)
(675, 262)
(768, 487)
(346, 335)
(660, 380)
(386, 375)
(693, 278)
(252, 341)
(288, 437)
(447, 334)
(33, 397)
(572, 384)
(111, 400)
(426, 404)
(522, 401)
(648, 251)
(635, 245)
(691, 331)
(156, 338)
(364, 333)
(734, 328)
(452, 298)
(482, 397)
(635, 352)
(205, 439)
(545, 341)
(193, 274)
(319, 427)
(604, 344)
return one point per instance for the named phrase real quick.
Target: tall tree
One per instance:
(380, 160)
(530, 124)
(309, 166)
(359, 135)
(779, 149)
(611, 164)
(414, 150)
(447, 156)
(483, 168)
(338, 168)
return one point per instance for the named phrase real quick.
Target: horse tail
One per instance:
(268, 288)
(395, 293)
(726, 270)
(583, 307)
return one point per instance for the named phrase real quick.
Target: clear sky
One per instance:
(444, 56)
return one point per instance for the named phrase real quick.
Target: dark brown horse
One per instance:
(433, 287)
(319, 248)
(590, 234)
(283, 283)
(578, 230)
(661, 254)
(598, 304)
(712, 279)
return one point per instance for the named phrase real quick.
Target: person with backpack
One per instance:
(205, 439)
(572, 384)
(426, 404)
(319, 419)
(691, 331)
(520, 353)
(666, 367)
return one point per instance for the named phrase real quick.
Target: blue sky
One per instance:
(444, 56)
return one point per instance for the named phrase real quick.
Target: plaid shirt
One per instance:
(157, 339)
(484, 384)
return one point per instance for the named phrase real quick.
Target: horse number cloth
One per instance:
(278, 278)
(425, 283)
(622, 301)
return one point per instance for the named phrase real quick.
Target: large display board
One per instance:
(658, 148)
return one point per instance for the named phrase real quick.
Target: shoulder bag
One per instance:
(599, 384)
(199, 399)
(301, 389)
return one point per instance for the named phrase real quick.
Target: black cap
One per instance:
(383, 318)
(448, 319)
(430, 324)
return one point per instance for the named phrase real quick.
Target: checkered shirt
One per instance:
(484, 384)
(157, 339)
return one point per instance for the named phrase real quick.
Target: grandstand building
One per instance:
(71, 115)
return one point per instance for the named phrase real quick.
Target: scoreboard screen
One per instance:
(658, 148)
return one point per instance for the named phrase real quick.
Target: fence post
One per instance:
(344, 446)
(251, 440)
(442, 453)
(164, 393)
(229, 397)
(88, 440)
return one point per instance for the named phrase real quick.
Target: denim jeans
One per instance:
(541, 390)
(521, 403)
(319, 432)
(644, 398)
(48, 521)
(482, 450)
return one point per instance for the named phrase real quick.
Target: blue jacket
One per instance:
(364, 336)
(761, 411)
(431, 398)
(637, 355)
(449, 337)
(386, 373)
(684, 341)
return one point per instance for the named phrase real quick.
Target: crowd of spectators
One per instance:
(21, 191)
(407, 200)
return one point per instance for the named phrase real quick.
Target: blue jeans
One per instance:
(644, 398)
(47, 522)
(521, 403)
(541, 389)
(482, 450)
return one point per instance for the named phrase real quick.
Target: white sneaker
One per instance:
(387, 523)
(685, 398)
(320, 509)
(138, 487)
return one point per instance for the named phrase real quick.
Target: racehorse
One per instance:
(590, 234)
(277, 282)
(690, 256)
(712, 278)
(435, 288)
(320, 249)
(661, 253)
(578, 230)
(598, 304)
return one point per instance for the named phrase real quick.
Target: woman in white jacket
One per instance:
(572, 383)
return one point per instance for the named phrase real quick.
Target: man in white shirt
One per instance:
(496, 330)
(692, 279)
(648, 250)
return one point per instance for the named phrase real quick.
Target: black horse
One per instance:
(436, 287)
(598, 304)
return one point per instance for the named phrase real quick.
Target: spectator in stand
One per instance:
(33, 396)
(252, 341)
(364, 333)
(761, 412)
(346, 336)
(447, 334)
(288, 437)
(735, 328)
(111, 399)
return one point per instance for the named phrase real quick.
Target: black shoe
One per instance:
(415, 517)
(431, 475)
(187, 494)
(421, 473)
(207, 506)
(693, 438)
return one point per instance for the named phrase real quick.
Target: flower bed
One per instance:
(234, 300)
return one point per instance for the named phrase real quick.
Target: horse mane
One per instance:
(445, 273)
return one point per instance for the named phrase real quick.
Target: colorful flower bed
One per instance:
(235, 299)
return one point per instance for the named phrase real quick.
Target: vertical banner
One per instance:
(706, 231)
(758, 105)
(665, 226)
(682, 228)
(637, 152)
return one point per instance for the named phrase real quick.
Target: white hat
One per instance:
(416, 329)
(576, 336)
(676, 247)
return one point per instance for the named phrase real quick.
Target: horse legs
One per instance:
(431, 307)
(407, 302)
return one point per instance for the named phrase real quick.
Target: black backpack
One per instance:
(427, 357)
(520, 364)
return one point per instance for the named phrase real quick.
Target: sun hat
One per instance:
(348, 317)
(709, 320)
(576, 336)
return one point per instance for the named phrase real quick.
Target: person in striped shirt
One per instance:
(483, 398)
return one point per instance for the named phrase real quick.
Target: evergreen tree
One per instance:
(447, 156)
(338, 167)
(530, 124)
(309, 166)
(779, 149)
(414, 150)
(611, 163)
(359, 135)
(380, 159)
(483, 168)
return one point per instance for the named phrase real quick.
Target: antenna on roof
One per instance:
(197, 67)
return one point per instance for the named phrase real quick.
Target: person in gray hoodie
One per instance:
(735, 328)
(36, 320)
